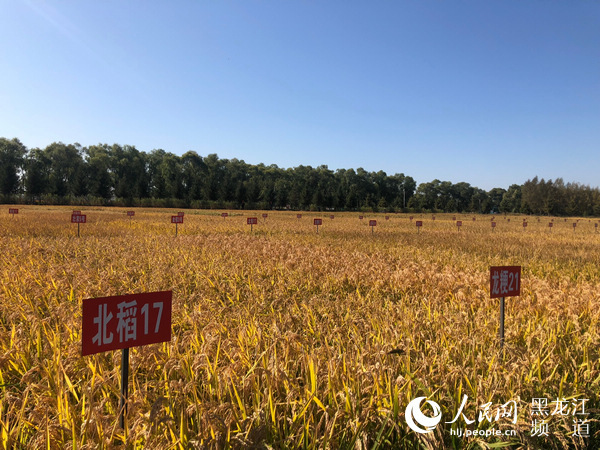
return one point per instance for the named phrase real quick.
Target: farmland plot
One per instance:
(285, 338)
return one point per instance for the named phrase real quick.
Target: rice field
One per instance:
(287, 338)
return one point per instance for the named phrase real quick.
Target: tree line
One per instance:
(118, 175)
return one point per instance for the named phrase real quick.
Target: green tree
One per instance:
(12, 160)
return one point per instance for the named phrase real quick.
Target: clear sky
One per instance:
(488, 92)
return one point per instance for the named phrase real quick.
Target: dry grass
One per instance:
(282, 337)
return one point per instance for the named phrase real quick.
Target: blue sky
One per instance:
(487, 92)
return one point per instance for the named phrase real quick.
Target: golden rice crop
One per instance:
(285, 338)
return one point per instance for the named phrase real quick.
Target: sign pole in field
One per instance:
(78, 218)
(177, 220)
(372, 224)
(124, 387)
(12, 212)
(318, 222)
(419, 224)
(251, 221)
(122, 322)
(505, 281)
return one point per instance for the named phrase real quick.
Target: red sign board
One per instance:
(411, 218)
(251, 221)
(372, 223)
(387, 217)
(574, 224)
(550, 224)
(176, 219)
(459, 223)
(595, 225)
(180, 213)
(524, 224)
(453, 217)
(473, 219)
(432, 217)
(493, 224)
(419, 223)
(298, 216)
(360, 217)
(76, 212)
(131, 213)
(124, 321)
(224, 214)
(331, 217)
(13, 210)
(318, 221)
(505, 281)
(265, 215)
(78, 218)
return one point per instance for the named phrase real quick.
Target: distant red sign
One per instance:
(453, 217)
(318, 221)
(298, 216)
(574, 224)
(411, 218)
(124, 321)
(473, 219)
(493, 224)
(505, 281)
(76, 212)
(251, 221)
(387, 217)
(550, 224)
(265, 215)
(419, 223)
(459, 223)
(131, 213)
(13, 211)
(524, 224)
(433, 218)
(176, 219)
(372, 223)
(224, 214)
(360, 217)
(78, 218)
(180, 213)
(331, 216)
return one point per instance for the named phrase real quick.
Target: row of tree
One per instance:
(122, 175)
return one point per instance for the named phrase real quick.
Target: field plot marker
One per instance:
(493, 226)
(224, 215)
(78, 218)
(130, 214)
(505, 281)
(122, 322)
(458, 224)
(12, 212)
(251, 221)
(264, 216)
(419, 224)
(298, 216)
(318, 222)
(372, 224)
(177, 220)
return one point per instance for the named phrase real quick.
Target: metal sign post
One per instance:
(505, 281)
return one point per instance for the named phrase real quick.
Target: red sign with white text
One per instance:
(318, 221)
(505, 281)
(124, 321)
(176, 219)
(493, 224)
(298, 216)
(131, 213)
(459, 223)
(419, 223)
(13, 210)
(224, 214)
(181, 213)
(332, 217)
(360, 217)
(78, 218)
(265, 215)
(251, 221)
(372, 223)
(76, 212)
